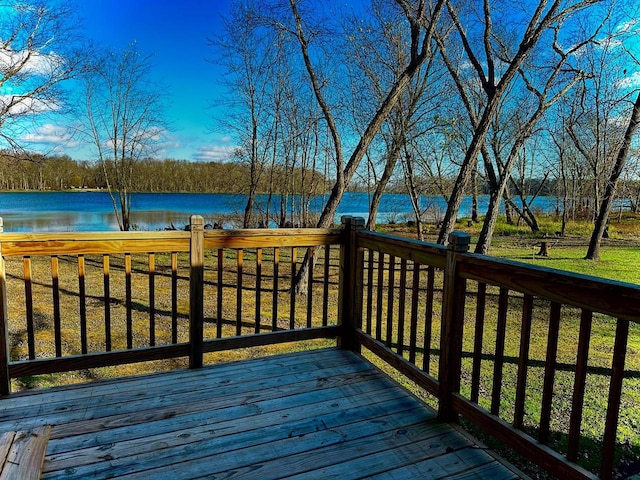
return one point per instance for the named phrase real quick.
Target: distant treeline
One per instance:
(42, 173)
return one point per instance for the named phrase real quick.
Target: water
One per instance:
(93, 210)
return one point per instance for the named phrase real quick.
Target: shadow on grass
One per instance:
(626, 461)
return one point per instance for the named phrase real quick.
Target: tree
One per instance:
(124, 121)
(247, 50)
(39, 51)
(422, 20)
(495, 65)
(381, 49)
(593, 253)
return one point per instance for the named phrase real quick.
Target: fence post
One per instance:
(196, 290)
(453, 299)
(5, 381)
(350, 287)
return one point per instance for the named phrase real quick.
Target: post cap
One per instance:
(196, 222)
(459, 241)
(353, 222)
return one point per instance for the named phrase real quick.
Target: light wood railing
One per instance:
(114, 298)
(502, 345)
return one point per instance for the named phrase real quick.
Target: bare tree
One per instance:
(124, 122)
(422, 20)
(39, 51)
(593, 253)
(248, 50)
(496, 64)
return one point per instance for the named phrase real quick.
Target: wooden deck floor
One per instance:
(318, 414)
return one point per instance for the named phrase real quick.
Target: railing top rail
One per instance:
(427, 253)
(275, 237)
(91, 243)
(610, 297)
(90, 236)
(75, 243)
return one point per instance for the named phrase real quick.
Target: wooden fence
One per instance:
(464, 328)
(140, 296)
(468, 329)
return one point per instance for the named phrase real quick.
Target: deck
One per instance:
(315, 414)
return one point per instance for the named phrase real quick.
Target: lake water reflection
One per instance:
(93, 210)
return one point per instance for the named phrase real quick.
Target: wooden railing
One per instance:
(502, 345)
(506, 346)
(119, 298)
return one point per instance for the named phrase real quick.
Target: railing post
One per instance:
(5, 381)
(350, 287)
(453, 299)
(196, 291)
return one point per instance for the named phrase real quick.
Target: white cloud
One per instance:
(36, 62)
(214, 153)
(629, 26)
(630, 81)
(18, 105)
(50, 134)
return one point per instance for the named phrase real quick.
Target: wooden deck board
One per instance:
(25, 455)
(318, 414)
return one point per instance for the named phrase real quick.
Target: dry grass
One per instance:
(236, 309)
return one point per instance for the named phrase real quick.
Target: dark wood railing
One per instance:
(462, 326)
(468, 329)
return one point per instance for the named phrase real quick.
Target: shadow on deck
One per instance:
(315, 414)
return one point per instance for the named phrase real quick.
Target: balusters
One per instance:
(311, 259)
(549, 372)
(152, 300)
(390, 295)
(481, 300)
(379, 296)
(220, 290)
(579, 384)
(274, 306)
(369, 314)
(292, 290)
(127, 277)
(402, 296)
(325, 289)
(428, 319)
(615, 397)
(55, 283)
(239, 263)
(83, 304)
(28, 298)
(415, 290)
(107, 302)
(523, 360)
(258, 288)
(503, 304)
(174, 297)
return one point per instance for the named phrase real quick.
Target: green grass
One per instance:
(616, 263)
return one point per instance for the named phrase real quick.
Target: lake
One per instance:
(93, 211)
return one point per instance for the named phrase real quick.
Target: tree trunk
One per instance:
(593, 253)
(474, 204)
(544, 249)
(389, 167)
(508, 211)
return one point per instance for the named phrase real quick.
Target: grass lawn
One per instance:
(621, 263)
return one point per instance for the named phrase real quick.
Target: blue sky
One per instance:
(176, 33)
